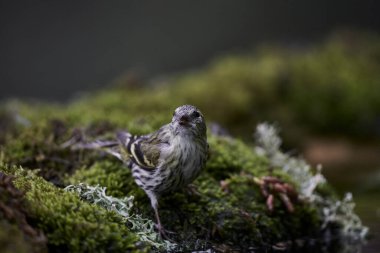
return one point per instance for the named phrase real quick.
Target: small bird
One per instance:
(165, 160)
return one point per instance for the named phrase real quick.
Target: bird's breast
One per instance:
(185, 157)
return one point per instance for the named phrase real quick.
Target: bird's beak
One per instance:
(184, 121)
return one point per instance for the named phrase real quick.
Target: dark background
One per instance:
(53, 49)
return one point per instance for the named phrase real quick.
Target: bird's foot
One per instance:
(272, 186)
(163, 232)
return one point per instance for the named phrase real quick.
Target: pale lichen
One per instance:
(143, 227)
(333, 212)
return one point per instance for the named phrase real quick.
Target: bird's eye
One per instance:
(196, 114)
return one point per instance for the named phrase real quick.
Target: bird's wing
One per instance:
(142, 150)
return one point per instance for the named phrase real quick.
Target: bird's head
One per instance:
(187, 119)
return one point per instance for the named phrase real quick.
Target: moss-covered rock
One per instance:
(16, 234)
(237, 218)
(69, 223)
(229, 212)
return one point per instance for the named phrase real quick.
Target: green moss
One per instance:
(237, 217)
(228, 155)
(70, 223)
(16, 234)
(107, 173)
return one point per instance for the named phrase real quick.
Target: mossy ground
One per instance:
(223, 219)
(237, 218)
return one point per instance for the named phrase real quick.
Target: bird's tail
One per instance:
(77, 142)
(124, 138)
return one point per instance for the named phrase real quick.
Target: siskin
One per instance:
(165, 160)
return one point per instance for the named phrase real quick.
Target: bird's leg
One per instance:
(154, 203)
(159, 226)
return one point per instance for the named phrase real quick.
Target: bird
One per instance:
(166, 160)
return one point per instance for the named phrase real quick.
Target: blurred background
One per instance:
(53, 49)
(313, 67)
